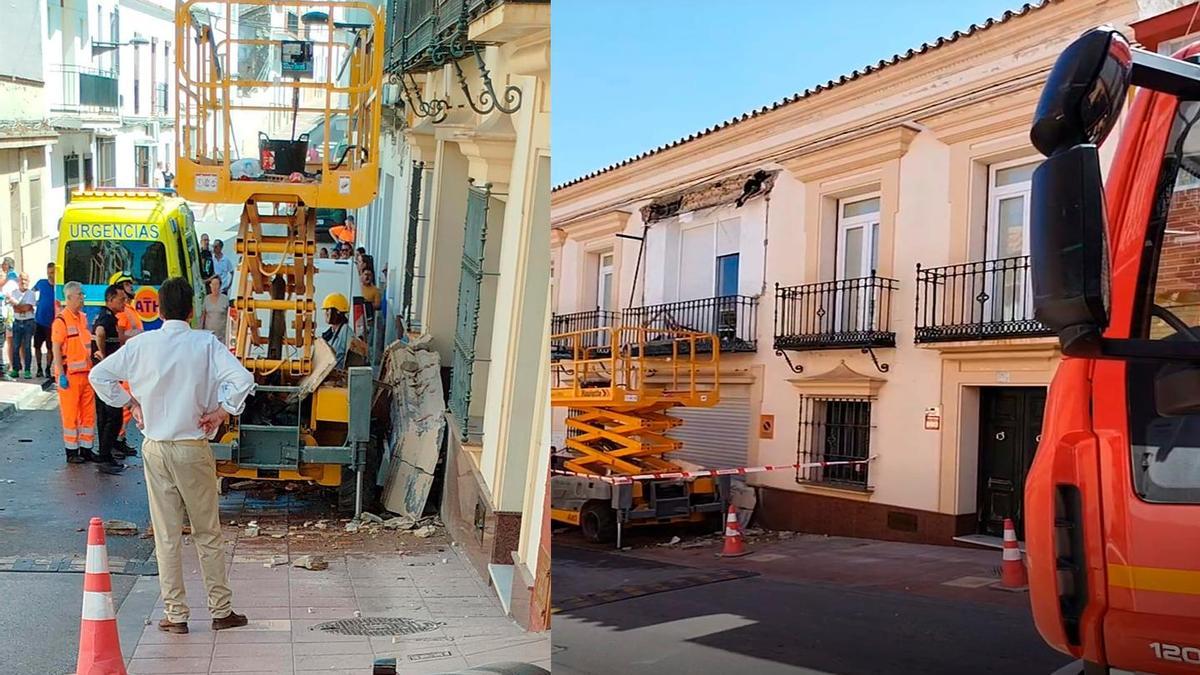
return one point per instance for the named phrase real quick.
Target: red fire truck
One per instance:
(1112, 501)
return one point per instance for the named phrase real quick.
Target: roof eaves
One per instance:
(807, 93)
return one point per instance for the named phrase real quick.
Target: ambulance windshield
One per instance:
(94, 262)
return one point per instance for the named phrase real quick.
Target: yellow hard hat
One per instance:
(119, 277)
(336, 301)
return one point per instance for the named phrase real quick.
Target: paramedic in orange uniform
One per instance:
(70, 343)
(129, 324)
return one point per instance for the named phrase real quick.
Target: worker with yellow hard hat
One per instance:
(337, 311)
(129, 324)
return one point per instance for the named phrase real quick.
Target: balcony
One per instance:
(417, 27)
(580, 321)
(85, 91)
(732, 318)
(842, 314)
(985, 300)
(421, 33)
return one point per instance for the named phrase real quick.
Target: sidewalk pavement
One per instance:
(445, 617)
(18, 394)
(948, 572)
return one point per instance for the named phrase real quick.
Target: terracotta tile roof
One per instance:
(974, 28)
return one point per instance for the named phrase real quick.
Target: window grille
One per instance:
(834, 429)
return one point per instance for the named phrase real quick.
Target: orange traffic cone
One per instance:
(99, 646)
(1012, 569)
(734, 544)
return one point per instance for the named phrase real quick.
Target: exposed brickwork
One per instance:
(1178, 286)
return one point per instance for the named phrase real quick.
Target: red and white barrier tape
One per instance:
(739, 471)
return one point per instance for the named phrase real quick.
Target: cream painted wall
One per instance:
(664, 264)
(919, 132)
(21, 101)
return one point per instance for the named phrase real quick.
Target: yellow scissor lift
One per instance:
(621, 384)
(336, 71)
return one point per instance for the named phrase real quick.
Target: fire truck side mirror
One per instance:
(1084, 93)
(1068, 249)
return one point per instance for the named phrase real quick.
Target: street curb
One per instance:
(133, 613)
(9, 407)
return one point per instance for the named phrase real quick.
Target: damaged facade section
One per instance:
(736, 190)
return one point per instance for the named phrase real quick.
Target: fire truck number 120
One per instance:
(1176, 653)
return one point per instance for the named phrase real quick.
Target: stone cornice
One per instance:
(510, 21)
(605, 224)
(986, 118)
(856, 155)
(842, 380)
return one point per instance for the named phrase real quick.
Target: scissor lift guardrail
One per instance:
(622, 382)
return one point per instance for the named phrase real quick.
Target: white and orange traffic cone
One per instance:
(735, 544)
(99, 646)
(1012, 568)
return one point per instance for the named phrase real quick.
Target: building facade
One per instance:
(109, 67)
(861, 251)
(464, 204)
(25, 139)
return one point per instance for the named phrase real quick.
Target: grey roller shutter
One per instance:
(716, 437)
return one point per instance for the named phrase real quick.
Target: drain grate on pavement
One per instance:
(378, 626)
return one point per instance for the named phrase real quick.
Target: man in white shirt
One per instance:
(184, 386)
(23, 300)
(222, 266)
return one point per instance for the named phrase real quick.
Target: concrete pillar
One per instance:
(448, 214)
(517, 385)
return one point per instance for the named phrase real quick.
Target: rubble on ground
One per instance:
(311, 562)
(399, 523)
(715, 539)
(120, 527)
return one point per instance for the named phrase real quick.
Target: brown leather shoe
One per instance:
(168, 626)
(234, 620)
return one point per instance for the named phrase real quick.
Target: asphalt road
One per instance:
(42, 511)
(758, 625)
(39, 620)
(50, 500)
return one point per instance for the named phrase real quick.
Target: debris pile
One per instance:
(122, 528)
(311, 562)
(715, 539)
(373, 524)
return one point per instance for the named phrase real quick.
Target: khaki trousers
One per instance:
(181, 479)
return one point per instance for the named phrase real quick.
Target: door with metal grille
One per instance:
(467, 325)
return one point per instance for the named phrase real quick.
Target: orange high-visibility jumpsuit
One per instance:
(129, 324)
(77, 402)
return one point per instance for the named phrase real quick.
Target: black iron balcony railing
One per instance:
(581, 321)
(86, 90)
(838, 314)
(732, 318)
(982, 300)
(423, 33)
